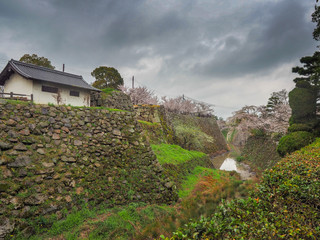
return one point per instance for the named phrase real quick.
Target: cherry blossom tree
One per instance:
(140, 95)
(273, 119)
(143, 95)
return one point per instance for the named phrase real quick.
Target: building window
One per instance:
(74, 93)
(49, 89)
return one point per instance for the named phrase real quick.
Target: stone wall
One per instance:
(115, 99)
(189, 131)
(55, 158)
(150, 113)
(153, 120)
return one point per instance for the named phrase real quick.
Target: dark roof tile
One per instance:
(32, 71)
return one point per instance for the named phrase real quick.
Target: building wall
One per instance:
(62, 97)
(21, 85)
(18, 84)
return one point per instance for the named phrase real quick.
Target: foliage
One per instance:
(303, 104)
(191, 180)
(276, 99)
(300, 127)
(143, 95)
(225, 132)
(304, 98)
(106, 77)
(284, 205)
(186, 106)
(258, 132)
(34, 59)
(260, 152)
(108, 90)
(310, 70)
(294, 141)
(174, 154)
(191, 137)
(140, 95)
(269, 120)
(316, 19)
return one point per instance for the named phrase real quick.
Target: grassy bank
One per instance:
(174, 154)
(285, 205)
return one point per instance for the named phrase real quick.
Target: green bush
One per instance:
(303, 104)
(303, 84)
(294, 141)
(300, 127)
(285, 205)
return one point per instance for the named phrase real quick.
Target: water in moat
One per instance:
(227, 163)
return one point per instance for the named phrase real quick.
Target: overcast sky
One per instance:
(227, 53)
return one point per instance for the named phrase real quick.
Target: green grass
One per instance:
(192, 179)
(174, 154)
(225, 133)
(148, 123)
(18, 102)
(70, 223)
(116, 223)
(109, 109)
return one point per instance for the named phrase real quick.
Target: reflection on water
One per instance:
(224, 162)
(229, 164)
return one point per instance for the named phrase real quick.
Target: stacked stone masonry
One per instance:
(57, 157)
(115, 99)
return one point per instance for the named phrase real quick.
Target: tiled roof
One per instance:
(32, 71)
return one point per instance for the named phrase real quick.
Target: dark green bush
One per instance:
(300, 127)
(303, 84)
(303, 104)
(294, 141)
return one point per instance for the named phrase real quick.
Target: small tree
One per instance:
(276, 99)
(34, 59)
(106, 77)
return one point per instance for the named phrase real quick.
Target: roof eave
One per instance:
(68, 85)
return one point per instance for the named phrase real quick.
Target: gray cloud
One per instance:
(190, 43)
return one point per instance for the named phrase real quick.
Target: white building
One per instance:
(44, 84)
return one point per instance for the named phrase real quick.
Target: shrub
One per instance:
(294, 141)
(303, 84)
(299, 127)
(303, 104)
(285, 205)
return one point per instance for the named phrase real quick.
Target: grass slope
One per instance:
(285, 205)
(174, 154)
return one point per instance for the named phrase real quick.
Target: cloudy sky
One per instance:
(224, 52)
